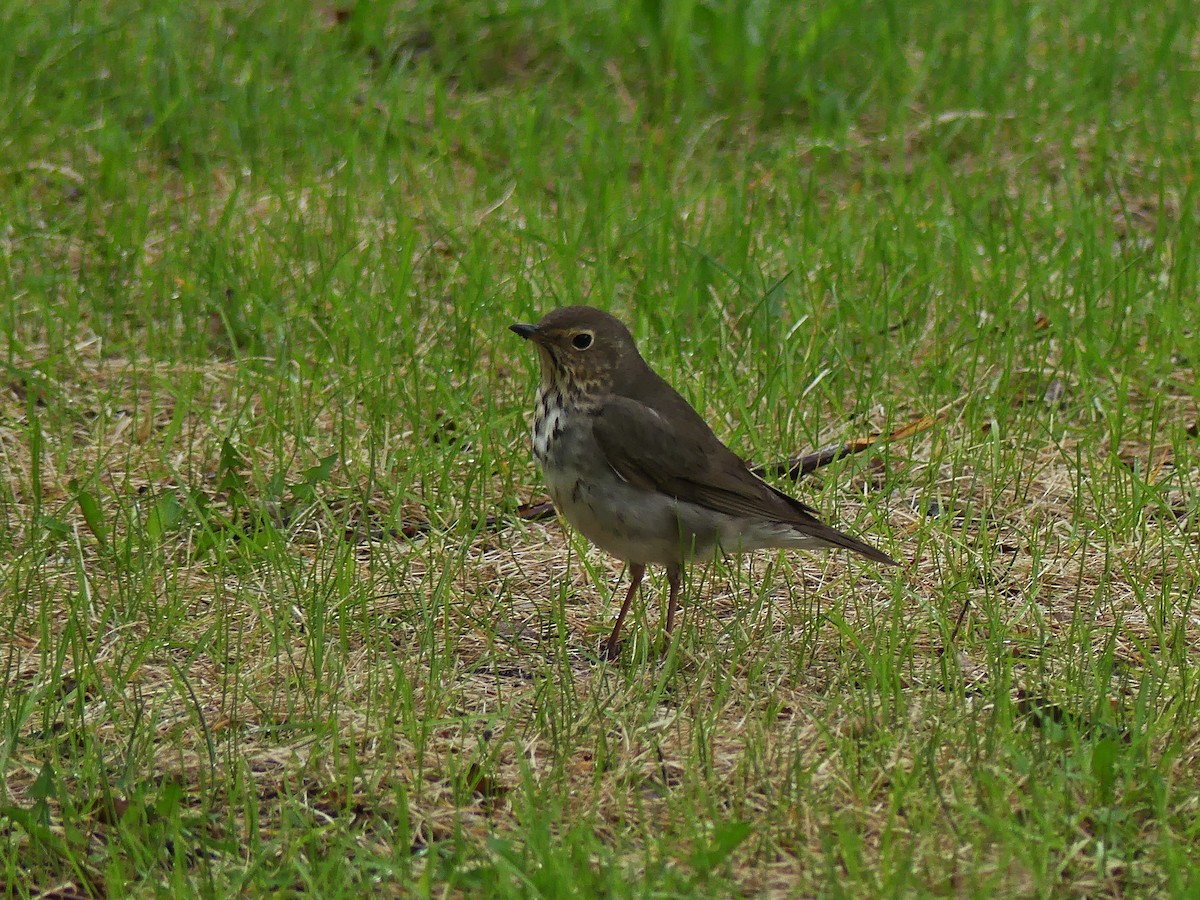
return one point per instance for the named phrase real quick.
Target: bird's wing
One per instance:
(645, 449)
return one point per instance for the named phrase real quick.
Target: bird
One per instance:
(631, 465)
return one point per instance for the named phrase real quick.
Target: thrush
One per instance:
(631, 465)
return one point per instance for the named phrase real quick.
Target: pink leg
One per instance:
(674, 577)
(612, 647)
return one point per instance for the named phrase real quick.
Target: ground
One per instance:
(280, 613)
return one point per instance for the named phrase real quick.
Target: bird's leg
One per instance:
(612, 647)
(674, 577)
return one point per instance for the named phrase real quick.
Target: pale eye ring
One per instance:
(582, 341)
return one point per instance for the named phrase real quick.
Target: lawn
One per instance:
(275, 616)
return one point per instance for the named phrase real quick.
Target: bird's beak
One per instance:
(525, 331)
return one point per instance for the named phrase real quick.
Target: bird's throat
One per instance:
(548, 423)
(560, 406)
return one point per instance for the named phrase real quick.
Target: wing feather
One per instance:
(692, 465)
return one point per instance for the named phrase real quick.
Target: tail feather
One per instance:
(810, 525)
(836, 538)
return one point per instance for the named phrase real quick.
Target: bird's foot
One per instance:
(610, 650)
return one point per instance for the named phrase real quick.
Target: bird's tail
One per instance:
(810, 525)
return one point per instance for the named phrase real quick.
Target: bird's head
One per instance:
(582, 349)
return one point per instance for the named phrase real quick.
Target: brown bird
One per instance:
(631, 465)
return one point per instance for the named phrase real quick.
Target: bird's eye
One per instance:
(582, 341)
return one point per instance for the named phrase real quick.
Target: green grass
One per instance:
(258, 262)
